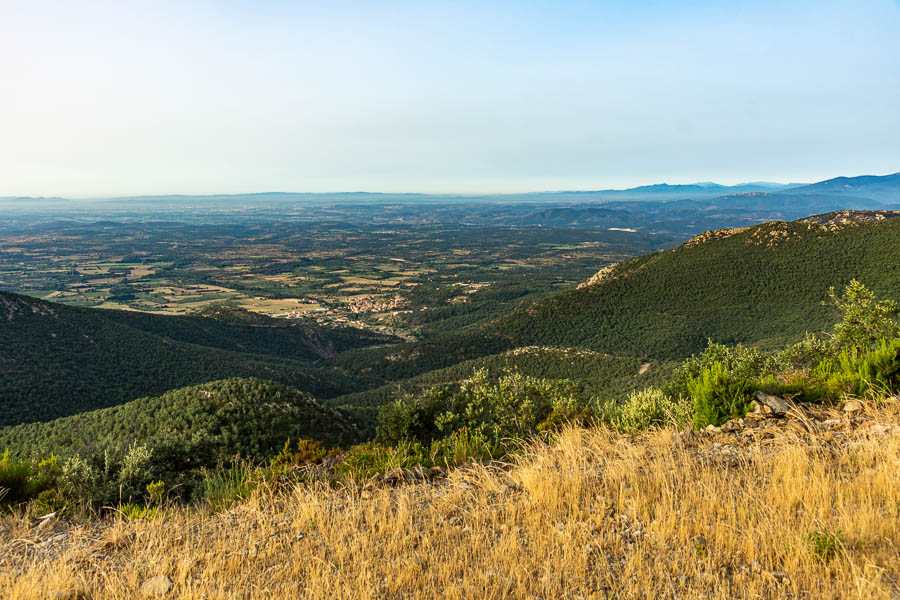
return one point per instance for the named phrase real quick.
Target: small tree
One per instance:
(719, 396)
(865, 320)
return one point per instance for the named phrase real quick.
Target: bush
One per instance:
(21, 481)
(366, 460)
(859, 372)
(516, 406)
(824, 544)
(719, 396)
(805, 354)
(865, 320)
(797, 385)
(740, 362)
(647, 408)
(223, 486)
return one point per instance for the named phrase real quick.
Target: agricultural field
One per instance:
(406, 279)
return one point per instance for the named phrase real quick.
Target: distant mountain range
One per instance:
(874, 187)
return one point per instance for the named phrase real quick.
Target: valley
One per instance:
(203, 365)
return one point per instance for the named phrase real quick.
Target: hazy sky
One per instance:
(110, 98)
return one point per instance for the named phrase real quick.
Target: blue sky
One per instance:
(108, 98)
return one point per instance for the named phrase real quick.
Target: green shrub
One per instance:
(367, 460)
(740, 362)
(865, 320)
(131, 511)
(805, 354)
(797, 385)
(223, 486)
(879, 369)
(464, 446)
(824, 544)
(515, 406)
(647, 408)
(567, 411)
(22, 480)
(719, 396)
(860, 372)
(414, 417)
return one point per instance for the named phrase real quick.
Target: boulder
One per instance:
(777, 405)
(852, 406)
(156, 587)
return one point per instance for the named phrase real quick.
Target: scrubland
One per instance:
(809, 511)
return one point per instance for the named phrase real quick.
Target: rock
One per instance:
(156, 586)
(733, 425)
(759, 409)
(852, 406)
(712, 429)
(779, 406)
(882, 429)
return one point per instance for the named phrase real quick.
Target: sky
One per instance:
(118, 98)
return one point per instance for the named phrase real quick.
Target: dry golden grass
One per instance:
(596, 515)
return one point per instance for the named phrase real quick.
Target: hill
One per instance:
(884, 187)
(600, 375)
(57, 360)
(749, 513)
(760, 285)
(190, 427)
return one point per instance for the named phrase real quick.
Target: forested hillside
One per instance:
(599, 375)
(57, 360)
(761, 285)
(191, 427)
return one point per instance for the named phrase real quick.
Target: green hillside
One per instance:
(57, 360)
(238, 330)
(762, 285)
(599, 375)
(187, 428)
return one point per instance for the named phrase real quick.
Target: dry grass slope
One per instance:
(596, 515)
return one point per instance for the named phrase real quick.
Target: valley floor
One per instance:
(802, 506)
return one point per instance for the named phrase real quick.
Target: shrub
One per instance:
(223, 486)
(464, 446)
(719, 396)
(805, 354)
(309, 452)
(740, 362)
(797, 385)
(516, 406)
(824, 544)
(366, 460)
(414, 417)
(131, 511)
(648, 408)
(22, 480)
(858, 372)
(879, 369)
(865, 320)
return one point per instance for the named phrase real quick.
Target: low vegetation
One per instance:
(215, 443)
(595, 514)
